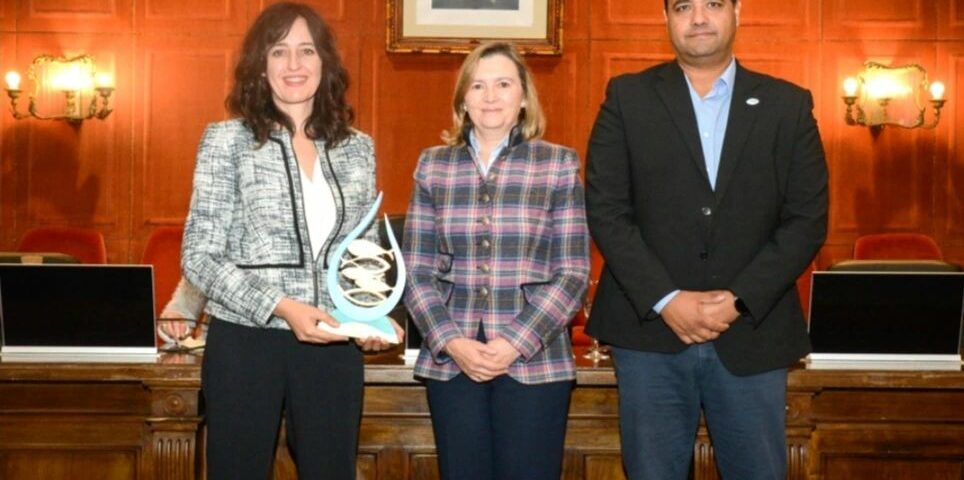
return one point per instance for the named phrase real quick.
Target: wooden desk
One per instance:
(141, 421)
(100, 421)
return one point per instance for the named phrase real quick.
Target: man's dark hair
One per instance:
(251, 97)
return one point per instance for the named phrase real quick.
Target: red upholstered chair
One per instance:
(86, 245)
(896, 246)
(163, 251)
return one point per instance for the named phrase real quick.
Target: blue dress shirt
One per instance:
(493, 155)
(712, 114)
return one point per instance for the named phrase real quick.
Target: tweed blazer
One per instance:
(246, 243)
(508, 251)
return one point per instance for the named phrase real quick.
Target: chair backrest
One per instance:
(896, 246)
(163, 251)
(894, 266)
(86, 245)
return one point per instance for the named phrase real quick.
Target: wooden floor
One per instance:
(142, 421)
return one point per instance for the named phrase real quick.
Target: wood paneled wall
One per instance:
(173, 59)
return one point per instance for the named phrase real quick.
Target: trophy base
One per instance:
(379, 327)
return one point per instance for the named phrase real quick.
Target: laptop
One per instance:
(892, 320)
(77, 312)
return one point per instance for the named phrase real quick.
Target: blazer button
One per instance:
(704, 255)
(707, 211)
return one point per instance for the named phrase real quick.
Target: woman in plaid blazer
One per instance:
(497, 251)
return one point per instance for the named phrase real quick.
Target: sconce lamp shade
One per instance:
(63, 89)
(13, 80)
(882, 95)
(850, 86)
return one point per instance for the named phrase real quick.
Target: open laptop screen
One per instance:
(886, 312)
(77, 306)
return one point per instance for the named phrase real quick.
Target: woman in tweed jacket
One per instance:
(273, 191)
(496, 246)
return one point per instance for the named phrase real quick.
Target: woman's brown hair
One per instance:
(531, 120)
(251, 99)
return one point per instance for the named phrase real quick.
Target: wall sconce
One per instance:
(74, 78)
(884, 95)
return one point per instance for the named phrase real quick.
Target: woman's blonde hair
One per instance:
(531, 120)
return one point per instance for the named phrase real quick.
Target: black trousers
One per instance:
(500, 429)
(249, 375)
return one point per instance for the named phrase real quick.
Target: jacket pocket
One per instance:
(445, 289)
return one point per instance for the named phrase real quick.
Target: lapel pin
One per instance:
(752, 101)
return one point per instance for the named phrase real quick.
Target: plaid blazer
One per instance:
(509, 251)
(246, 243)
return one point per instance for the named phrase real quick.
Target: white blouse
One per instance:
(319, 207)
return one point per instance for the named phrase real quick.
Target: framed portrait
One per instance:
(458, 26)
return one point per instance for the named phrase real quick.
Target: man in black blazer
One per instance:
(707, 197)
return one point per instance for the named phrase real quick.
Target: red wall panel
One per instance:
(202, 17)
(8, 16)
(173, 60)
(878, 182)
(876, 19)
(8, 154)
(410, 108)
(74, 16)
(182, 89)
(950, 17)
(949, 184)
(567, 115)
(626, 20)
(789, 20)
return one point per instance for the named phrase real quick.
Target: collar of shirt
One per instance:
(474, 145)
(712, 113)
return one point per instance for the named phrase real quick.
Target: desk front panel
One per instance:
(142, 421)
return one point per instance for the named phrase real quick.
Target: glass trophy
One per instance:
(357, 285)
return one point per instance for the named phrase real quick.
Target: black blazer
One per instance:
(661, 227)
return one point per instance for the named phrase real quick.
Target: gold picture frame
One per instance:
(423, 26)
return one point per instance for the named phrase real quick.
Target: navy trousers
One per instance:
(500, 429)
(660, 396)
(250, 375)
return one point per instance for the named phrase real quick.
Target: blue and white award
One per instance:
(357, 285)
